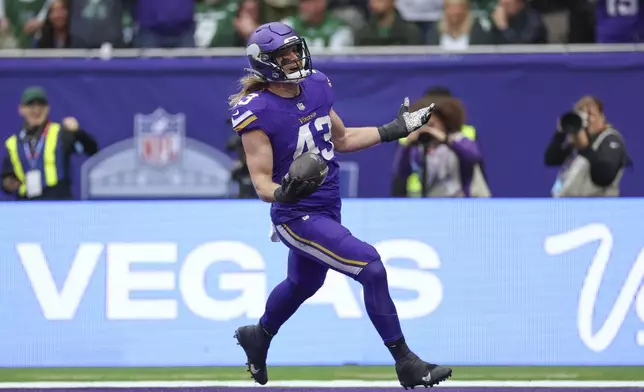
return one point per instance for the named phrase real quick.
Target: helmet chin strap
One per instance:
(303, 74)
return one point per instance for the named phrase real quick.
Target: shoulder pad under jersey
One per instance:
(324, 83)
(247, 114)
(320, 77)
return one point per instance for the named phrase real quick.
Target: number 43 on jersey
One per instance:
(305, 133)
(305, 138)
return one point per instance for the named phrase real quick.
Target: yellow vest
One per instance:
(414, 186)
(48, 158)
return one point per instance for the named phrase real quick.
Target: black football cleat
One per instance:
(413, 372)
(255, 343)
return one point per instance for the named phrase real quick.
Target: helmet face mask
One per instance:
(273, 49)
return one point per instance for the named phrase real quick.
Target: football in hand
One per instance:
(309, 167)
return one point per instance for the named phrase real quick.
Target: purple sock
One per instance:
(380, 306)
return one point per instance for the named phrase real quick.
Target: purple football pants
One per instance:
(317, 243)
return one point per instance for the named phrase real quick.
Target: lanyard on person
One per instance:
(32, 158)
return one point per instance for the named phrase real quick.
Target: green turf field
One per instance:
(367, 373)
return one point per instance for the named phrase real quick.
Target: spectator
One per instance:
(581, 23)
(128, 24)
(6, 38)
(318, 27)
(36, 165)
(483, 7)
(214, 21)
(361, 6)
(422, 12)
(55, 34)
(516, 23)
(227, 23)
(386, 27)
(619, 22)
(405, 182)
(352, 12)
(93, 23)
(26, 19)
(278, 9)
(459, 28)
(589, 152)
(165, 23)
(451, 167)
(247, 20)
(556, 17)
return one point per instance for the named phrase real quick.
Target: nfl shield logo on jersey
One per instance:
(160, 136)
(300, 106)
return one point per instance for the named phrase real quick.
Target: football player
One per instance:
(285, 108)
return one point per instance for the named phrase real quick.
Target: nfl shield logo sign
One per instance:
(160, 137)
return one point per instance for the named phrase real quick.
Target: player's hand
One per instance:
(294, 189)
(32, 25)
(11, 184)
(245, 24)
(414, 120)
(406, 122)
(4, 25)
(500, 18)
(71, 124)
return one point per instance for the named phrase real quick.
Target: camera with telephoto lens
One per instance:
(425, 138)
(573, 122)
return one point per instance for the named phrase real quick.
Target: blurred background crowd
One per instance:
(461, 153)
(450, 24)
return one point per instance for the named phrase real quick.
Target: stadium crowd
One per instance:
(450, 24)
(445, 154)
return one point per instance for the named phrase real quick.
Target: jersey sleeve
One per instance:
(325, 85)
(249, 115)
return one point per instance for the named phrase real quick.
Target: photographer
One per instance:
(590, 151)
(449, 162)
(405, 182)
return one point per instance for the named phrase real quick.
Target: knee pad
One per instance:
(373, 273)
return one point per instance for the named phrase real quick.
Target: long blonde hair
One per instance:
(248, 84)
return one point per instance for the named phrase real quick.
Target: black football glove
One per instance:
(405, 123)
(294, 190)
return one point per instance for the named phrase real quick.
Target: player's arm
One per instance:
(10, 182)
(606, 161)
(355, 139)
(351, 139)
(259, 158)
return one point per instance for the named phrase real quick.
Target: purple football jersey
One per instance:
(619, 21)
(294, 126)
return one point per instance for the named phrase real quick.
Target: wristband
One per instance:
(392, 131)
